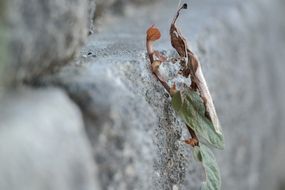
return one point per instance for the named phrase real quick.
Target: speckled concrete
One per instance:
(136, 137)
(125, 106)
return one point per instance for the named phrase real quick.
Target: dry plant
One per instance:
(194, 104)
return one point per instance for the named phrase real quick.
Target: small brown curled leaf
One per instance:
(153, 34)
(193, 61)
(191, 67)
(177, 40)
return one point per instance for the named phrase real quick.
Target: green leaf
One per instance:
(176, 101)
(189, 106)
(197, 153)
(213, 178)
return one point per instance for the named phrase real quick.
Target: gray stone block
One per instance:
(233, 41)
(43, 144)
(42, 35)
(137, 138)
(118, 7)
(91, 16)
(120, 126)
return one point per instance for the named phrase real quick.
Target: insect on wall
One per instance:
(192, 103)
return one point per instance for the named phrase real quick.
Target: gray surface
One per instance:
(42, 35)
(91, 16)
(42, 143)
(234, 43)
(117, 7)
(136, 138)
(120, 126)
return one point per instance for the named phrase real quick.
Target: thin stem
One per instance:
(184, 6)
(150, 52)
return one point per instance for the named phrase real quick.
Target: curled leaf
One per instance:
(194, 105)
(210, 111)
(177, 40)
(153, 34)
(192, 67)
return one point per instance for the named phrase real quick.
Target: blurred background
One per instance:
(80, 108)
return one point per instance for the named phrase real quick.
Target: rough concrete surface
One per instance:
(91, 16)
(117, 7)
(42, 142)
(135, 137)
(124, 106)
(42, 35)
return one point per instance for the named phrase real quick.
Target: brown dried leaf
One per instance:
(153, 34)
(207, 99)
(193, 68)
(192, 60)
(177, 40)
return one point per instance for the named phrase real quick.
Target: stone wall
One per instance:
(102, 121)
(41, 35)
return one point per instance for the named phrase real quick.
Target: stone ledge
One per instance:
(135, 134)
(42, 142)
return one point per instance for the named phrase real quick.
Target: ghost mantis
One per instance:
(194, 105)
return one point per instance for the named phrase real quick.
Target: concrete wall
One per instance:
(107, 123)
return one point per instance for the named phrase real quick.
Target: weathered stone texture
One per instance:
(136, 138)
(42, 35)
(232, 41)
(117, 7)
(43, 144)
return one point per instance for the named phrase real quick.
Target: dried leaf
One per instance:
(153, 34)
(177, 40)
(193, 68)
(194, 105)
(189, 106)
(208, 101)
